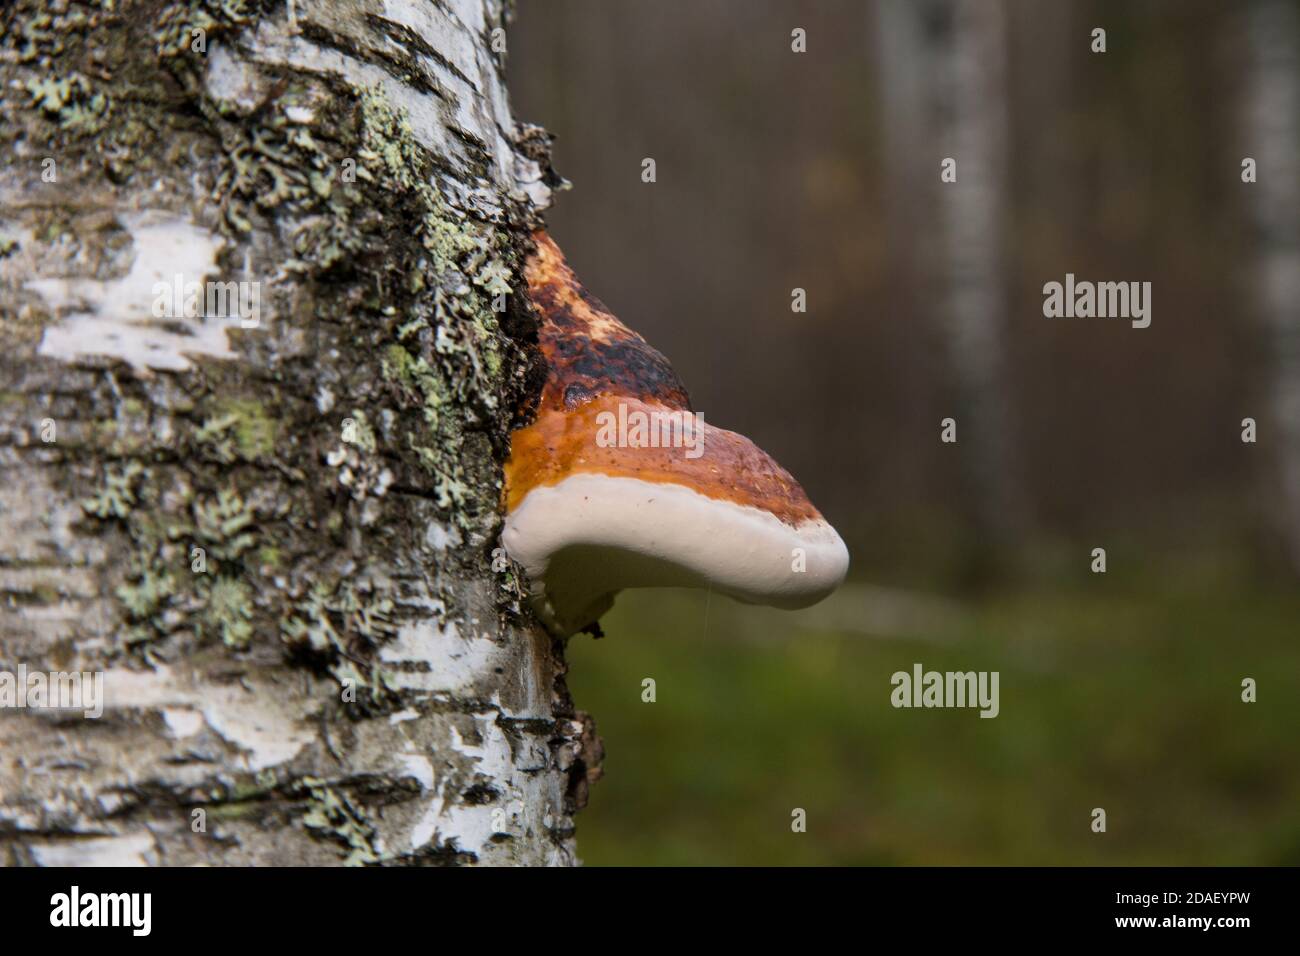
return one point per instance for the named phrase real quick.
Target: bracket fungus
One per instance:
(617, 483)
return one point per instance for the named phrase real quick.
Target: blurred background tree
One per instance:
(821, 170)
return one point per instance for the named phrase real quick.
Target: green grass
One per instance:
(1127, 702)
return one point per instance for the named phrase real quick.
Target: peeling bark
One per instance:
(273, 530)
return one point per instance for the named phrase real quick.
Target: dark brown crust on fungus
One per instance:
(595, 363)
(589, 351)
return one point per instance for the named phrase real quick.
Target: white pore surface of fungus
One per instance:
(589, 536)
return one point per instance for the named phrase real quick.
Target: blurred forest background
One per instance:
(821, 170)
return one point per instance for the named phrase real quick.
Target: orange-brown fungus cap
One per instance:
(594, 505)
(597, 363)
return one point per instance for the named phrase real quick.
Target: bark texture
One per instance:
(277, 540)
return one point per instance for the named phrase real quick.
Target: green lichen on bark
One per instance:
(334, 816)
(334, 486)
(385, 269)
(239, 429)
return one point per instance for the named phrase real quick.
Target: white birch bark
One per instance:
(943, 81)
(1272, 135)
(348, 679)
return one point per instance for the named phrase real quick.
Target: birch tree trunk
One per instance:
(1272, 114)
(271, 528)
(943, 65)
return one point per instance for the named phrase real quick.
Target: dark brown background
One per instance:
(1119, 691)
(772, 174)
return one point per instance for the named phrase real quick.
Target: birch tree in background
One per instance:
(1272, 137)
(272, 529)
(942, 70)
